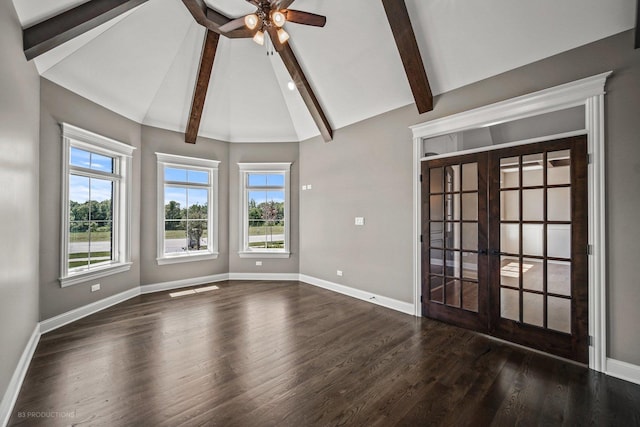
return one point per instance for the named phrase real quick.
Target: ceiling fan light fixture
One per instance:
(251, 21)
(259, 38)
(278, 18)
(283, 36)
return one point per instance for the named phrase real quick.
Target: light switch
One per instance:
(359, 220)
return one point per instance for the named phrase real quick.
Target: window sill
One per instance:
(87, 276)
(264, 254)
(186, 258)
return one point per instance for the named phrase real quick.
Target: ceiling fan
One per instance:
(270, 17)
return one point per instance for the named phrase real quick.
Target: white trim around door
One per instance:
(588, 92)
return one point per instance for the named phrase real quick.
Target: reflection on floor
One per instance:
(558, 275)
(289, 354)
(558, 286)
(469, 295)
(464, 294)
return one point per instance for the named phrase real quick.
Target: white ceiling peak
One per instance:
(143, 64)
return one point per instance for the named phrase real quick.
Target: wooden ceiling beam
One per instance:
(308, 96)
(212, 20)
(207, 58)
(400, 22)
(53, 32)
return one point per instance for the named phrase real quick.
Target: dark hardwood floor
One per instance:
(290, 354)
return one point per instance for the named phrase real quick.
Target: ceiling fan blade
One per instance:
(638, 25)
(240, 33)
(273, 34)
(232, 25)
(281, 4)
(306, 18)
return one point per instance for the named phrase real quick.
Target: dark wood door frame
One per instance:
(573, 346)
(472, 320)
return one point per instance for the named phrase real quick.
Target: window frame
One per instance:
(121, 153)
(182, 162)
(256, 168)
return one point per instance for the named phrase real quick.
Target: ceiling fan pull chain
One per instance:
(269, 45)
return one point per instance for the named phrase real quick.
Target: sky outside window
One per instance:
(266, 180)
(190, 176)
(89, 160)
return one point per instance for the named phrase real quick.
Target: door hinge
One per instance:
(589, 158)
(589, 249)
(420, 177)
(421, 238)
(421, 301)
(590, 340)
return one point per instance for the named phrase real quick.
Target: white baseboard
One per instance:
(265, 276)
(15, 384)
(184, 283)
(391, 303)
(84, 311)
(623, 370)
(60, 320)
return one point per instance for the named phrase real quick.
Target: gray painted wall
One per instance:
(60, 105)
(272, 152)
(164, 141)
(19, 117)
(366, 171)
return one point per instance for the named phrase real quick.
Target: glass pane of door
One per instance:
(538, 243)
(535, 239)
(506, 231)
(453, 221)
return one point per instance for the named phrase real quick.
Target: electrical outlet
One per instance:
(339, 273)
(309, 187)
(259, 263)
(95, 287)
(304, 188)
(359, 220)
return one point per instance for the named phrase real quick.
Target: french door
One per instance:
(505, 244)
(454, 236)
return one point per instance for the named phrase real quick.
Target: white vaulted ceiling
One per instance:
(144, 63)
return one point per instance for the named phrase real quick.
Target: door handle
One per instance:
(492, 252)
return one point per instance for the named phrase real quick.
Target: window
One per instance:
(95, 218)
(265, 210)
(187, 209)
